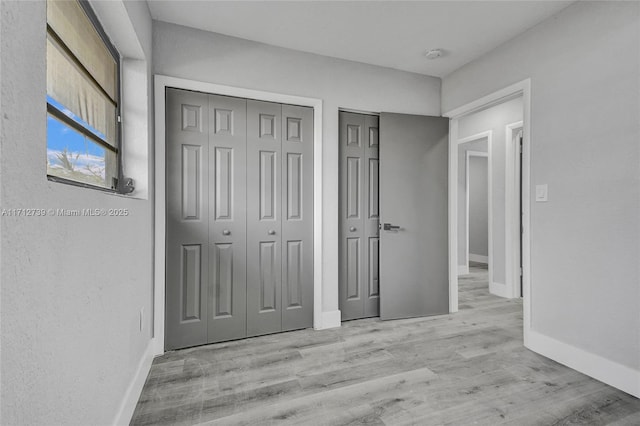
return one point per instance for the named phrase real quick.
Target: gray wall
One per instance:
(479, 145)
(584, 65)
(495, 119)
(478, 206)
(204, 56)
(72, 287)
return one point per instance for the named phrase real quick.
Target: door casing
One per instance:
(522, 88)
(161, 82)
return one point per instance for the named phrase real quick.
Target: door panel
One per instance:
(351, 222)
(359, 215)
(297, 220)
(187, 229)
(372, 220)
(227, 219)
(264, 224)
(413, 193)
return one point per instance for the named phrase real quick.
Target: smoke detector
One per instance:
(433, 53)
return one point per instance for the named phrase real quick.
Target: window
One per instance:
(83, 98)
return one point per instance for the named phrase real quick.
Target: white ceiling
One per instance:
(393, 34)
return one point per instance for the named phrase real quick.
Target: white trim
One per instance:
(478, 258)
(512, 210)
(498, 289)
(330, 319)
(161, 82)
(486, 134)
(453, 216)
(490, 100)
(463, 269)
(132, 394)
(605, 370)
(522, 88)
(453, 204)
(469, 154)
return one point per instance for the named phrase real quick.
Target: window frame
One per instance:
(116, 187)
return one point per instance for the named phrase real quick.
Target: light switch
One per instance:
(541, 193)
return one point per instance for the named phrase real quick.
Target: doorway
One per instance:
(393, 215)
(519, 90)
(477, 207)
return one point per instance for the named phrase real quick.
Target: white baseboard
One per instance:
(610, 372)
(331, 319)
(463, 270)
(499, 289)
(132, 395)
(478, 258)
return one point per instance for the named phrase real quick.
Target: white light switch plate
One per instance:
(541, 193)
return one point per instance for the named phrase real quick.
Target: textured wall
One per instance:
(72, 287)
(213, 58)
(584, 65)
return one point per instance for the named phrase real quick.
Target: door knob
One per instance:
(352, 229)
(271, 232)
(390, 227)
(226, 232)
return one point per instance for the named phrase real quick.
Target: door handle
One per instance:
(390, 227)
(226, 232)
(352, 229)
(271, 232)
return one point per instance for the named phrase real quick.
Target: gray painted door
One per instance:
(359, 216)
(264, 226)
(187, 274)
(297, 217)
(227, 218)
(414, 278)
(239, 218)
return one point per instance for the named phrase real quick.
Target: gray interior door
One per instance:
(187, 275)
(227, 219)
(264, 209)
(279, 217)
(239, 218)
(297, 217)
(359, 216)
(414, 277)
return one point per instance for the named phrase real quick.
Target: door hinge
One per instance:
(119, 119)
(521, 271)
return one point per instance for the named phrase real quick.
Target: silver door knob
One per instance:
(352, 229)
(226, 232)
(271, 232)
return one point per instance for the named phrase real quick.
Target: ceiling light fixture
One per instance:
(433, 53)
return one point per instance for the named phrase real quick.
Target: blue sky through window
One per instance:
(72, 155)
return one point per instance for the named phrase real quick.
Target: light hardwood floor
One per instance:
(465, 368)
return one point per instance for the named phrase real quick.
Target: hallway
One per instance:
(465, 368)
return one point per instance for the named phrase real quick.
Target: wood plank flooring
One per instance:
(465, 368)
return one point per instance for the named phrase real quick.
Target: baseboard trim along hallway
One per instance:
(605, 370)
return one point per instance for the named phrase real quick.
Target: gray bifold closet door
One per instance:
(239, 218)
(359, 216)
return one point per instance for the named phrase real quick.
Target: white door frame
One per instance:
(512, 210)
(161, 82)
(486, 155)
(488, 135)
(522, 88)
